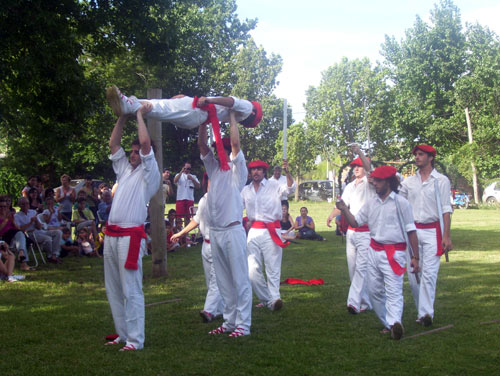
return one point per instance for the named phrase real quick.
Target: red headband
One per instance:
(258, 164)
(384, 172)
(425, 148)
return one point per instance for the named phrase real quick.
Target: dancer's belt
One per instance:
(390, 249)
(206, 241)
(271, 227)
(363, 228)
(439, 238)
(136, 235)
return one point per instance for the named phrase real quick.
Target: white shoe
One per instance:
(11, 279)
(18, 277)
(121, 104)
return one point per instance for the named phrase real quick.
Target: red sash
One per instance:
(136, 235)
(271, 227)
(206, 241)
(214, 120)
(363, 228)
(390, 249)
(439, 238)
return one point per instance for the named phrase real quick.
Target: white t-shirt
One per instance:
(265, 204)
(282, 180)
(356, 195)
(185, 187)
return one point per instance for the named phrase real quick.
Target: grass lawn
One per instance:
(54, 323)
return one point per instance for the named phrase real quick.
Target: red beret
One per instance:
(257, 164)
(384, 172)
(426, 148)
(357, 162)
(226, 142)
(258, 115)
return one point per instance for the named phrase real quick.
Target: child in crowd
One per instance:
(171, 246)
(86, 245)
(67, 244)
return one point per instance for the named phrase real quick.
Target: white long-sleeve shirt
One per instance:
(265, 204)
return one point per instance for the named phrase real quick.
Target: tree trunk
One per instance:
(157, 203)
(473, 166)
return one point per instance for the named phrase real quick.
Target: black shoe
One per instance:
(427, 320)
(397, 331)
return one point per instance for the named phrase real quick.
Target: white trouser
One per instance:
(261, 247)
(213, 302)
(386, 287)
(19, 242)
(425, 293)
(350, 250)
(49, 240)
(178, 111)
(358, 292)
(231, 271)
(124, 290)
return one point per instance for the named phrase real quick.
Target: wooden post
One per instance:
(157, 203)
(474, 174)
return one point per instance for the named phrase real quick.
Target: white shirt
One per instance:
(21, 218)
(135, 189)
(382, 218)
(283, 180)
(201, 217)
(185, 187)
(265, 204)
(422, 196)
(355, 195)
(224, 202)
(180, 111)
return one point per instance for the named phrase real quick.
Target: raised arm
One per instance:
(142, 131)
(289, 178)
(202, 140)
(234, 134)
(366, 163)
(116, 134)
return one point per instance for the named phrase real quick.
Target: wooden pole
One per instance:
(430, 331)
(474, 174)
(285, 114)
(157, 203)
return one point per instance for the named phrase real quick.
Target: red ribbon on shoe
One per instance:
(136, 235)
(271, 227)
(439, 237)
(295, 281)
(390, 249)
(214, 120)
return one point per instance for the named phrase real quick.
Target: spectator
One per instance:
(43, 183)
(287, 223)
(102, 188)
(11, 209)
(34, 200)
(87, 185)
(49, 240)
(31, 183)
(67, 244)
(168, 189)
(49, 192)
(7, 266)
(282, 179)
(186, 184)
(65, 197)
(85, 243)
(83, 217)
(171, 245)
(305, 225)
(172, 217)
(11, 234)
(105, 205)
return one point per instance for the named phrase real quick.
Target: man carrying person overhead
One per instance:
(390, 219)
(227, 235)
(355, 195)
(429, 195)
(262, 200)
(138, 179)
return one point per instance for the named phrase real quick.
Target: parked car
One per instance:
(491, 194)
(316, 190)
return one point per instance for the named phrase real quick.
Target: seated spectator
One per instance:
(99, 243)
(171, 245)
(305, 226)
(172, 217)
(11, 209)
(7, 261)
(65, 197)
(32, 183)
(86, 244)
(49, 240)
(105, 205)
(93, 203)
(102, 188)
(52, 216)
(34, 200)
(11, 234)
(83, 217)
(287, 224)
(67, 244)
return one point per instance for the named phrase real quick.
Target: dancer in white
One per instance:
(227, 235)
(262, 200)
(355, 195)
(138, 180)
(214, 304)
(429, 195)
(388, 216)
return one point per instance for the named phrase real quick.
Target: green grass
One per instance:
(55, 322)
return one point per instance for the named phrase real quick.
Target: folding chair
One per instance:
(34, 241)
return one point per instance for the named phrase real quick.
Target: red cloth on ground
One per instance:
(295, 281)
(271, 227)
(214, 120)
(136, 235)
